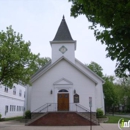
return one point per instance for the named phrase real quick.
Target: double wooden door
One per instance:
(63, 101)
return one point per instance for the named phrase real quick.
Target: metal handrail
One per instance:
(48, 104)
(54, 107)
(41, 107)
(79, 105)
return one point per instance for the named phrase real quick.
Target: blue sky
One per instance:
(38, 21)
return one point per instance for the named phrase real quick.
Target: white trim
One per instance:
(62, 92)
(64, 42)
(52, 65)
(89, 70)
(70, 92)
(63, 79)
(67, 41)
(12, 97)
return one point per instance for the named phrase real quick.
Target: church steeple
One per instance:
(63, 45)
(63, 33)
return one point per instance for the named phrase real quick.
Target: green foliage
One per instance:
(17, 62)
(109, 93)
(122, 88)
(13, 118)
(99, 113)
(0, 116)
(114, 18)
(39, 62)
(27, 114)
(115, 119)
(96, 68)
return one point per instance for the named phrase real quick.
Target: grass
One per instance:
(121, 113)
(104, 116)
(115, 119)
(12, 118)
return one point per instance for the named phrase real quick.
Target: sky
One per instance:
(38, 22)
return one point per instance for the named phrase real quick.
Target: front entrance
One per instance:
(63, 101)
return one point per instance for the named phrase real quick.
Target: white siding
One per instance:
(99, 87)
(69, 54)
(9, 99)
(84, 87)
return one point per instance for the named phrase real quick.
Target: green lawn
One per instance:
(115, 119)
(12, 118)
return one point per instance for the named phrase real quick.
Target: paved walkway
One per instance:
(15, 125)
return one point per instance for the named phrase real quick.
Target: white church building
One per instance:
(65, 84)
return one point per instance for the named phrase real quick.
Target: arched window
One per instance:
(63, 90)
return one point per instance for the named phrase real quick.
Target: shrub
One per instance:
(28, 114)
(99, 113)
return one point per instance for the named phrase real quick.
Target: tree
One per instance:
(123, 87)
(108, 87)
(95, 68)
(39, 63)
(17, 62)
(114, 18)
(109, 92)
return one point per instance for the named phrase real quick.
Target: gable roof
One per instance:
(85, 67)
(42, 71)
(63, 33)
(45, 66)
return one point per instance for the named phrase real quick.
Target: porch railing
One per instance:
(57, 107)
(82, 107)
(41, 108)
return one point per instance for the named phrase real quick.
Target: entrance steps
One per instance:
(87, 116)
(61, 119)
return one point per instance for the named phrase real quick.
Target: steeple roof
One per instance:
(63, 33)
